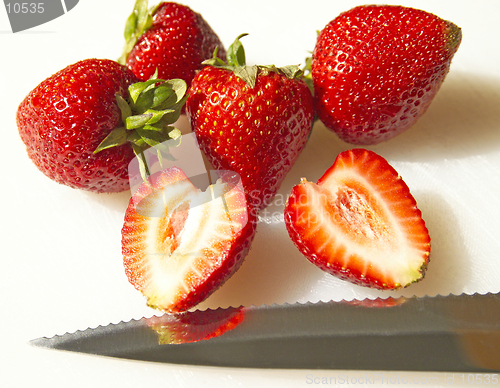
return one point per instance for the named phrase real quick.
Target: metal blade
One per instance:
(443, 333)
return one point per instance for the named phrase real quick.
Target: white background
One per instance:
(61, 262)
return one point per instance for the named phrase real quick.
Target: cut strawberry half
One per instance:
(360, 223)
(179, 243)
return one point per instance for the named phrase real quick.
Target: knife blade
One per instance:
(441, 333)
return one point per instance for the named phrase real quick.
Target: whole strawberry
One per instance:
(83, 125)
(253, 120)
(170, 38)
(376, 70)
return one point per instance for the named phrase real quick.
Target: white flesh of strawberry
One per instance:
(376, 236)
(175, 264)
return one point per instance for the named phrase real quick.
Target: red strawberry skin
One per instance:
(376, 70)
(177, 43)
(64, 119)
(360, 223)
(257, 132)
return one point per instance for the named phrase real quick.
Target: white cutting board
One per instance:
(61, 261)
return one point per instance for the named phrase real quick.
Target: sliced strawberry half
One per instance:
(360, 222)
(179, 243)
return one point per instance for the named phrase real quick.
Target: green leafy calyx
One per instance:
(236, 62)
(147, 113)
(307, 70)
(139, 21)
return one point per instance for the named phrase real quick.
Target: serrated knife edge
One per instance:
(418, 333)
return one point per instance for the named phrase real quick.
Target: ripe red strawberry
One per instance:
(171, 39)
(360, 223)
(254, 120)
(376, 70)
(82, 126)
(180, 244)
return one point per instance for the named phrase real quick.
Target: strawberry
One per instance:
(360, 222)
(376, 70)
(254, 120)
(83, 125)
(171, 39)
(180, 244)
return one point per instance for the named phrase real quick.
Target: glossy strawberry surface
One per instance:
(359, 222)
(64, 119)
(376, 70)
(176, 44)
(257, 132)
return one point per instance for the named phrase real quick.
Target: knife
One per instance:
(441, 333)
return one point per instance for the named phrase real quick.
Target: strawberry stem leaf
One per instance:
(151, 138)
(159, 95)
(135, 90)
(144, 18)
(139, 21)
(236, 53)
(307, 77)
(116, 137)
(179, 87)
(236, 62)
(130, 26)
(125, 108)
(143, 164)
(291, 71)
(138, 121)
(247, 74)
(148, 111)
